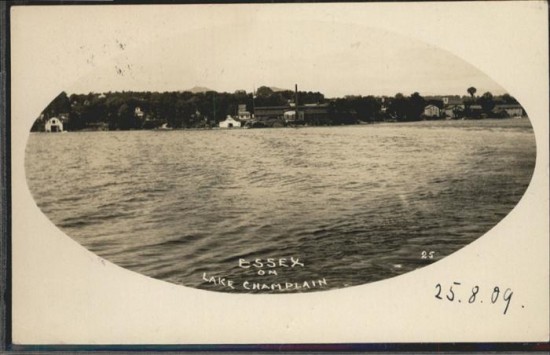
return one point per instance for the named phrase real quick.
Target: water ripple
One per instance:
(354, 204)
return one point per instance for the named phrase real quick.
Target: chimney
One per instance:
(296, 95)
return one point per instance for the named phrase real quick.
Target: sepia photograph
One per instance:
(333, 172)
(254, 150)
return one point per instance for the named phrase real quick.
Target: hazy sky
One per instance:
(335, 58)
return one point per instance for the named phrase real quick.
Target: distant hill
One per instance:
(199, 89)
(202, 89)
(276, 89)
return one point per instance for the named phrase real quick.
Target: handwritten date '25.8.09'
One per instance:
(456, 292)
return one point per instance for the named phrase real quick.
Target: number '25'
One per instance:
(427, 254)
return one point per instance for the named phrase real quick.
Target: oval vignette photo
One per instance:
(254, 159)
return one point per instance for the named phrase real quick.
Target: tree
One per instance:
(366, 108)
(126, 119)
(458, 112)
(416, 106)
(487, 102)
(509, 99)
(472, 90)
(406, 108)
(183, 114)
(61, 104)
(341, 112)
(397, 107)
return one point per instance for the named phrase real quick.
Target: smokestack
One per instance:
(296, 95)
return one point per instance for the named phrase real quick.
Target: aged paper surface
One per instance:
(64, 294)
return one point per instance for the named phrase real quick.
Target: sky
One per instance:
(230, 52)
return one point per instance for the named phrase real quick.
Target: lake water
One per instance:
(350, 205)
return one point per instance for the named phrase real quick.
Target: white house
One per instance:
(243, 114)
(290, 116)
(229, 122)
(54, 124)
(138, 113)
(432, 111)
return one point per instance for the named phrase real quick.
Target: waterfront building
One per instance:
(453, 106)
(270, 112)
(138, 113)
(512, 110)
(293, 112)
(315, 113)
(242, 114)
(229, 122)
(432, 111)
(54, 124)
(310, 113)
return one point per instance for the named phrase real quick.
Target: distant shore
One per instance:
(264, 108)
(286, 126)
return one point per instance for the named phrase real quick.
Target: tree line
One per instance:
(147, 110)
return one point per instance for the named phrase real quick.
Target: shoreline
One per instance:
(293, 127)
